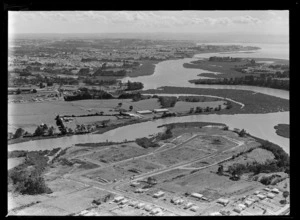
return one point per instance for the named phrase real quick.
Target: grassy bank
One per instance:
(147, 68)
(283, 130)
(190, 124)
(225, 68)
(255, 103)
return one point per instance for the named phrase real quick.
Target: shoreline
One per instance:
(283, 130)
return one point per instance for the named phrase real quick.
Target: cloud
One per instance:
(245, 20)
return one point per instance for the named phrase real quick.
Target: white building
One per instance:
(159, 194)
(144, 112)
(223, 201)
(161, 110)
(197, 195)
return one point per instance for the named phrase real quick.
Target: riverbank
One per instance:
(255, 103)
(227, 69)
(283, 130)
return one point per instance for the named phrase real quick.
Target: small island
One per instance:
(283, 130)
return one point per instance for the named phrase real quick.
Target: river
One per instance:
(172, 73)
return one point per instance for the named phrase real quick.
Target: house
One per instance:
(124, 201)
(156, 211)
(161, 110)
(197, 195)
(275, 190)
(134, 184)
(194, 208)
(260, 196)
(267, 189)
(140, 205)
(270, 195)
(238, 209)
(144, 112)
(215, 214)
(148, 208)
(188, 205)
(159, 194)
(118, 198)
(248, 203)
(224, 202)
(256, 192)
(242, 206)
(133, 203)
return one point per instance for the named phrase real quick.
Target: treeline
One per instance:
(225, 59)
(281, 163)
(27, 178)
(90, 81)
(89, 94)
(247, 80)
(101, 72)
(134, 86)
(167, 101)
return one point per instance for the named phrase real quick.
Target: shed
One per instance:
(267, 189)
(197, 195)
(144, 112)
(160, 110)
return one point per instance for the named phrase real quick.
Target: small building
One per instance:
(270, 195)
(256, 192)
(194, 208)
(140, 190)
(118, 198)
(197, 195)
(143, 112)
(275, 190)
(215, 214)
(134, 203)
(248, 202)
(140, 205)
(188, 205)
(161, 110)
(124, 201)
(148, 208)
(267, 189)
(261, 197)
(156, 211)
(159, 194)
(242, 206)
(134, 184)
(238, 209)
(223, 202)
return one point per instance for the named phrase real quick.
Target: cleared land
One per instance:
(188, 162)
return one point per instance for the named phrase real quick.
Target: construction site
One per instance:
(187, 174)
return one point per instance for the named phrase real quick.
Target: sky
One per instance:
(261, 22)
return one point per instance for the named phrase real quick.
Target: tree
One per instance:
(19, 133)
(41, 85)
(39, 131)
(130, 108)
(220, 170)
(191, 110)
(120, 104)
(34, 91)
(226, 128)
(285, 194)
(51, 130)
(18, 91)
(242, 133)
